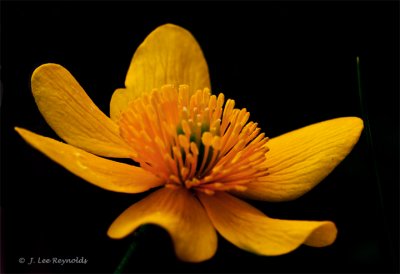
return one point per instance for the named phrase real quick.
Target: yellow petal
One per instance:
(180, 214)
(249, 229)
(169, 55)
(104, 173)
(300, 159)
(72, 114)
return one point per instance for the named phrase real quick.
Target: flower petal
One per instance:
(104, 173)
(249, 229)
(169, 55)
(72, 114)
(299, 160)
(178, 211)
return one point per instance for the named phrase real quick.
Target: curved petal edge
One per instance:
(249, 229)
(107, 174)
(297, 161)
(72, 114)
(177, 211)
(169, 55)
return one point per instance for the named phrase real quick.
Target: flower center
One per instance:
(194, 141)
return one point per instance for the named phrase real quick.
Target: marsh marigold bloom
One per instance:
(196, 149)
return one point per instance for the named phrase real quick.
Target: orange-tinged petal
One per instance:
(169, 55)
(249, 229)
(181, 214)
(101, 172)
(73, 115)
(300, 159)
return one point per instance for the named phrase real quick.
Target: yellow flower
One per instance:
(196, 148)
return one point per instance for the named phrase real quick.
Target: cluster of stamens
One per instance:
(194, 141)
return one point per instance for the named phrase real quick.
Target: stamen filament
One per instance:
(194, 141)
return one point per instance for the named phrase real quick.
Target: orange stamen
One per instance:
(194, 141)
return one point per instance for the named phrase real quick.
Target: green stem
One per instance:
(367, 128)
(132, 247)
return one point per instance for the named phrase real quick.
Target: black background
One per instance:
(289, 63)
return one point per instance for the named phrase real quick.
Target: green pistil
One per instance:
(195, 138)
